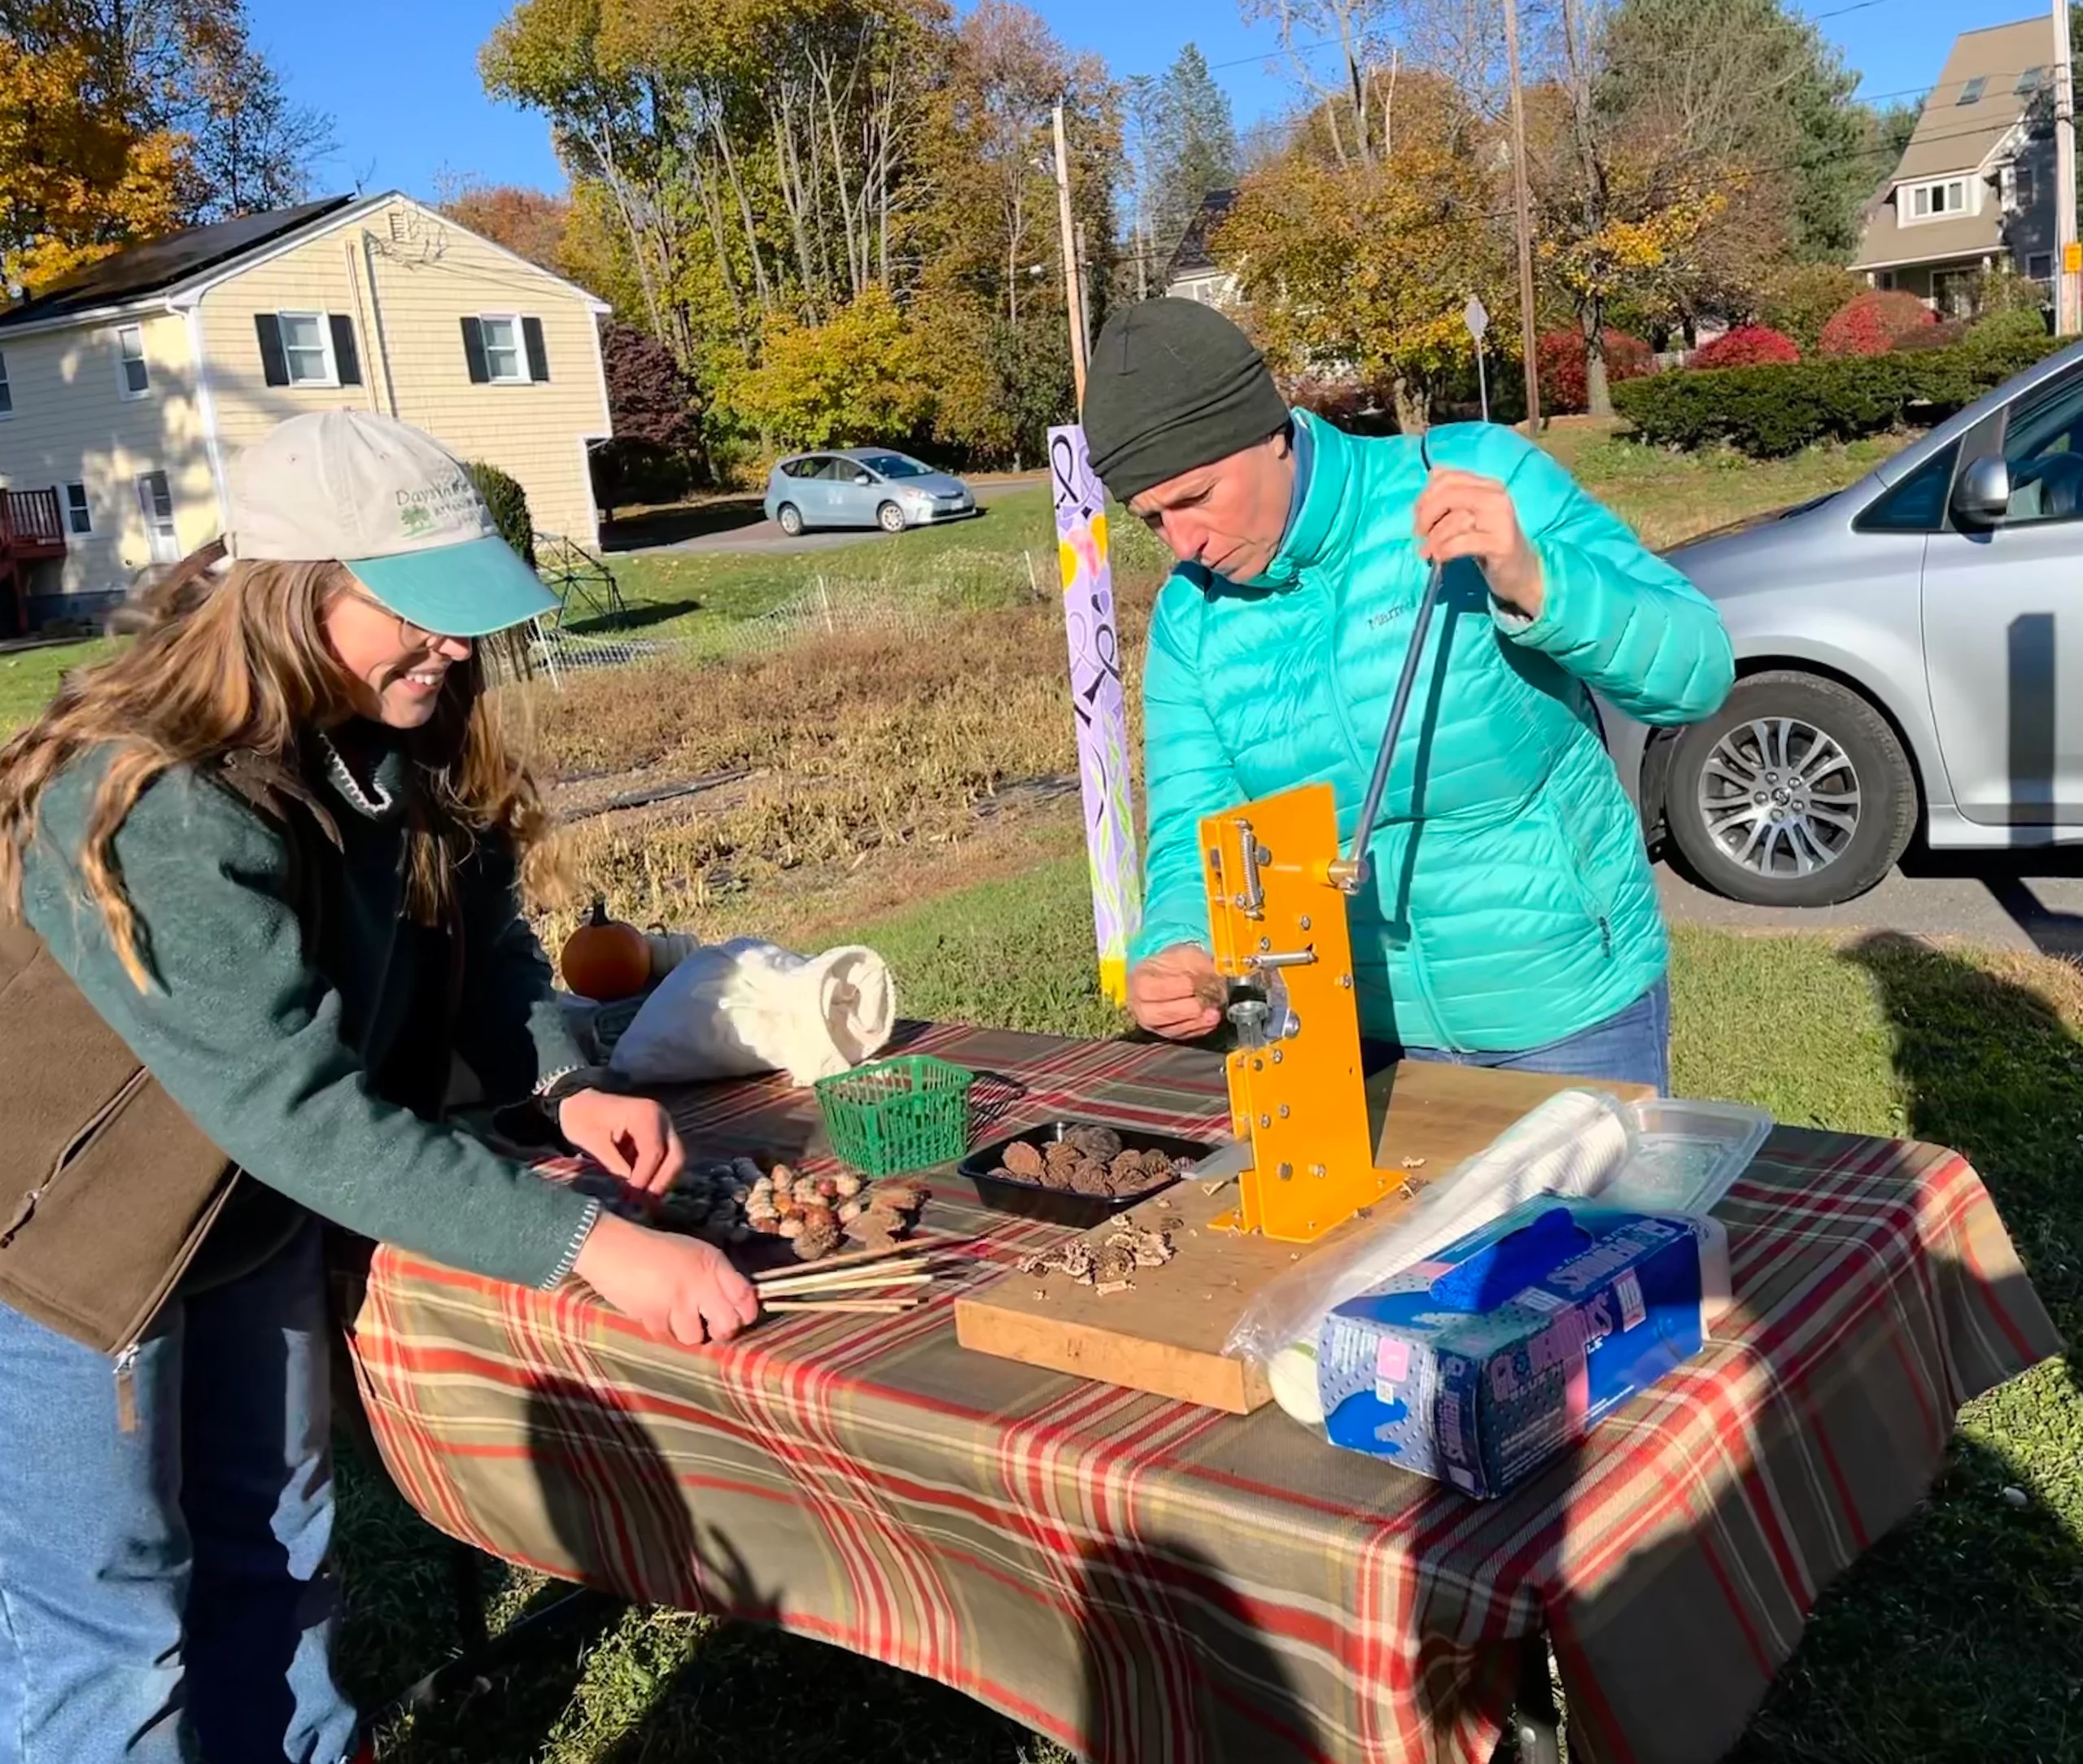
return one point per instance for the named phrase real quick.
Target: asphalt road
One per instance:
(2008, 900)
(743, 528)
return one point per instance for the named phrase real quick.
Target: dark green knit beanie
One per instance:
(1173, 385)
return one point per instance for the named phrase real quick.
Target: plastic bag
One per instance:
(731, 1009)
(1570, 1145)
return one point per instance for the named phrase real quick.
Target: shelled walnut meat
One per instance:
(1087, 1160)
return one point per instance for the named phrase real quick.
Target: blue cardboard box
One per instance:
(1479, 1365)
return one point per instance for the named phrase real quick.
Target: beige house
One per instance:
(1192, 274)
(1975, 191)
(124, 390)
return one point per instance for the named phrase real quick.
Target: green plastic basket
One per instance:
(898, 1114)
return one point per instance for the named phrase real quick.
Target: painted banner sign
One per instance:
(1102, 721)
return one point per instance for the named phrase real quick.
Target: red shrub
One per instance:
(1873, 324)
(1560, 354)
(1748, 346)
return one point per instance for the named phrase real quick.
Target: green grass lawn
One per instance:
(1960, 1637)
(29, 677)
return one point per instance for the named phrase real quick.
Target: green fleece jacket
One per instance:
(286, 1063)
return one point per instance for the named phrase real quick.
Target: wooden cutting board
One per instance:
(1165, 1334)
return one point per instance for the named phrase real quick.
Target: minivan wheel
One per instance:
(890, 518)
(789, 518)
(1795, 794)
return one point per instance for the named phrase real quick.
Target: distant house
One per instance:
(1192, 274)
(1975, 191)
(124, 389)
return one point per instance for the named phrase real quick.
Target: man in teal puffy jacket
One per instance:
(1509, 917)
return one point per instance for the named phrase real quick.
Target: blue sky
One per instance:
(403, 86)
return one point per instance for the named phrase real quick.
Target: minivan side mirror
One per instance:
(869, 478)
(1981, 494)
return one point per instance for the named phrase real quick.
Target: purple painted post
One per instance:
(1087, 575)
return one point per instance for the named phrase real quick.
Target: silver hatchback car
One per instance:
(1909, 650)
(861, 486)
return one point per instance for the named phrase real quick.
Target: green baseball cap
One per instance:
(394, 506)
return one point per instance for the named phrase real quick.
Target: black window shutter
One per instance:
(531, 338)
(274, 364)
(473, 351)
(347, 361)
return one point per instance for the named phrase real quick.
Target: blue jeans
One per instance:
(1631, 1046)
(164, 1593)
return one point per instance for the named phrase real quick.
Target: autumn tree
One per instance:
(1364, 269)
(529, 223)
(858, 378)
(1342, 87)
(122, 120)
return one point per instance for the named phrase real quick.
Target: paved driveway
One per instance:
(740, 526)
(2009, 900)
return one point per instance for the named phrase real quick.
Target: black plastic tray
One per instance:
(1033, 1200)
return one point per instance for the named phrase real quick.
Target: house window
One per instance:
(1887, 281)
(1971, 92)
(504, 349)
(76, 514)
(2030, 80)
(2040, 266)
(133, 379)
(2020, 187)
(1953, 293)
(1949, 195)
(307, 351)
(6, 391)
(503, 362)
(155, 502)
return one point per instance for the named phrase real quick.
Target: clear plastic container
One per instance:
(1685, 1155)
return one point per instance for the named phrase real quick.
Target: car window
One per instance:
(797, 468)
(895, 465)
(1917, 504)
(2043, 447)
(825, 469)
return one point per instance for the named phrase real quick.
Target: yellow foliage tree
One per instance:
(1365, 270)
(858, 378)
(76, 182)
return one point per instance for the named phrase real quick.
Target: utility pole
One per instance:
(2068, 265)
(1522, 202)
(1073, 294)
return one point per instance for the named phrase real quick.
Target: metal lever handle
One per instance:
(1351, 876)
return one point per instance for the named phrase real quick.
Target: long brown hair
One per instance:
(230, 656)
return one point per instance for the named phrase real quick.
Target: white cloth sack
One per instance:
(731, 1009)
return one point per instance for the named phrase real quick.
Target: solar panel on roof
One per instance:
(142, 269)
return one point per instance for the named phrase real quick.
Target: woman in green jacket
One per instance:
(1509, 917)
(164, 1521)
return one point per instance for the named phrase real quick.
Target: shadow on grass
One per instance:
(670, 526)
(1960, 1637)
(639, 615)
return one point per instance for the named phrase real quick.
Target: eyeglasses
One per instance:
(410, 636)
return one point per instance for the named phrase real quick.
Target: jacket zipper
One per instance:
(70, 1155)
(125, 1363)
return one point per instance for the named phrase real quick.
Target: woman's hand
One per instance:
(1177, 994)
(627, 1136)
(676, 1289)
(1461, 515)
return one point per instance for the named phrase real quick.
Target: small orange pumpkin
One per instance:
(605, 960)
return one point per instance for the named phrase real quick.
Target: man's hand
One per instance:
(1461, 515)
(1177, 993)
(629, 1136)
(677, 1289)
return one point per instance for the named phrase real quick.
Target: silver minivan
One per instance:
(861, 486)
(1909, 651)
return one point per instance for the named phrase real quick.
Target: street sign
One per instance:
(1477, 320)
(2072, 257)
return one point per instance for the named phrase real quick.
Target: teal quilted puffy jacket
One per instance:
(1510, 902)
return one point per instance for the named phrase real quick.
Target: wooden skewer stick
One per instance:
(859, 1306)
(908, 1246)
(793, 1276)
(866, 1285)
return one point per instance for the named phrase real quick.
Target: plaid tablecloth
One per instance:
(1142, 1580)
